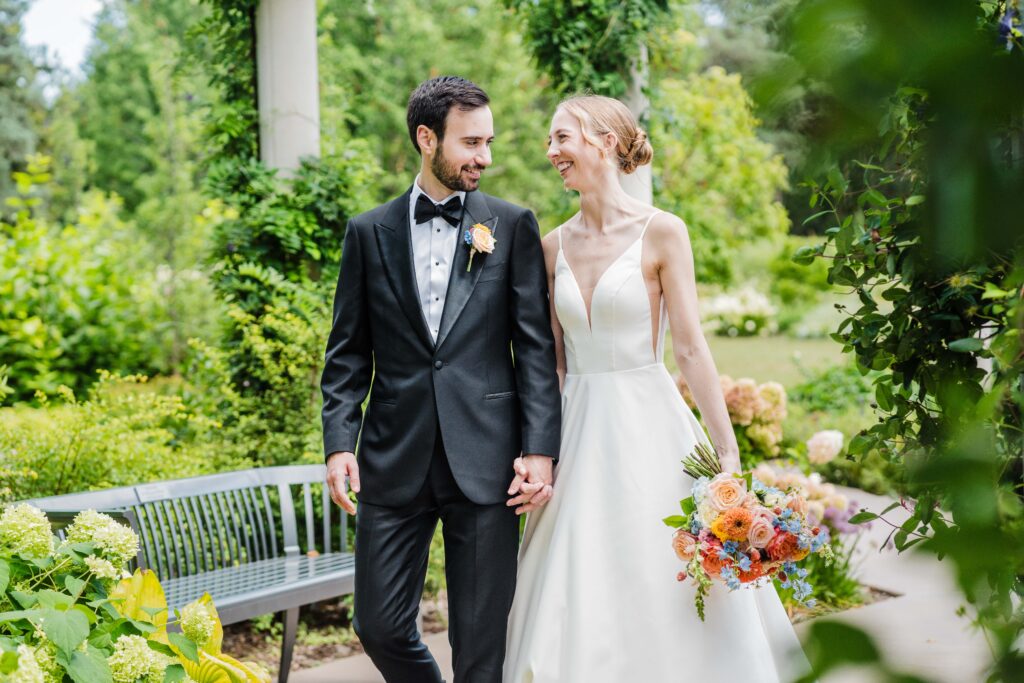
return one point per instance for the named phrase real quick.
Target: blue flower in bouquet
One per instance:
(731, 580)
(695, 525)
(744, 563)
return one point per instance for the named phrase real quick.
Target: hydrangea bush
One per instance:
(69, 611)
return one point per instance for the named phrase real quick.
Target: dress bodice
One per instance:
(616, 336)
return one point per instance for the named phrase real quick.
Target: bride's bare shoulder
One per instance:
(668, 230)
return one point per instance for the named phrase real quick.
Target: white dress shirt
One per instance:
(433, 250)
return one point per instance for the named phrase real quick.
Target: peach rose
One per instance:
(798, 504)
(483, 240)
(685, 544)
(761, 532)
(726, 491)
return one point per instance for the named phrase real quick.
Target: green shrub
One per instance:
(122, 434)
(71, 301)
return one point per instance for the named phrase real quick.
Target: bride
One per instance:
(597, 600)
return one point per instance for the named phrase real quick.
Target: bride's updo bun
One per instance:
(598, 116)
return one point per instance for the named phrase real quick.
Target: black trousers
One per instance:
(392, 545)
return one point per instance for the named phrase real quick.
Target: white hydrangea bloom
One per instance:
(133, 659)
(28, 670)
(116, 542)
(26, 531)
(102, 568)
(197, 622)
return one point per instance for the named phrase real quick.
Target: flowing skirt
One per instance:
(597, 598)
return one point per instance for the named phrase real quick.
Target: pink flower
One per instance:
(824, 446)
(761, 531)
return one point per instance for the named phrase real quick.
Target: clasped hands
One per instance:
(531, 487)
(533, 484)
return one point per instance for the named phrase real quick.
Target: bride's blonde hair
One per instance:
(598, 116)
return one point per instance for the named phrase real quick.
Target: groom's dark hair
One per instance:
(431, 101)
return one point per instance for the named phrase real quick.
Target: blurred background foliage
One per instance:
(850, 172)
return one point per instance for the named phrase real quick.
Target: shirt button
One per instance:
(437, 263)
(438, 364)
(437, 298)
(439, 229)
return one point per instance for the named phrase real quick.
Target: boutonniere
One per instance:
(479, 238)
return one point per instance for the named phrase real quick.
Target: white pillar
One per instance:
(286, 82)
(638, 183)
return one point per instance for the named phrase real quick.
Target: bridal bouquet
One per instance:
(738, 531)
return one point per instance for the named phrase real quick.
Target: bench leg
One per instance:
(291, 627)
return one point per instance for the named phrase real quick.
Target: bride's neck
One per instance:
(602, 205)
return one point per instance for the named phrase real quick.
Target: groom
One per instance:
(464, 409)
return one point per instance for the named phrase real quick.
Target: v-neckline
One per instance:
(587, 309)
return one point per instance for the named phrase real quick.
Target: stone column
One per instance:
(638, 183)
(287, 85)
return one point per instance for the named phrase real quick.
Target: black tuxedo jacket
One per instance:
(489, 381)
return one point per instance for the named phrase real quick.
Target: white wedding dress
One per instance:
(597, 599)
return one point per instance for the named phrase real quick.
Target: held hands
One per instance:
(341, 465)
(533, 483)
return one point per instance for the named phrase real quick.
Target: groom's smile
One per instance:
(458, 159)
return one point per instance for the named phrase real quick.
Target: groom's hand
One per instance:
(533, 482)
(339, 466)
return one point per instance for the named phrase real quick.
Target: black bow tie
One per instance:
(451, 210)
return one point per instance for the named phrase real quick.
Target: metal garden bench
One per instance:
(236, 536)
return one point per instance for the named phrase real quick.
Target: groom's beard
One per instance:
(450, 176)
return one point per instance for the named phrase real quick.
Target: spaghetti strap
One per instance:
(644, 231)
(560, 237)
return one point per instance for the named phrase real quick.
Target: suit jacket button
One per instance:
(438, 364)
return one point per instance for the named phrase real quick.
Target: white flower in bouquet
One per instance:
(26, 531)
(824, 446)
(116, 542)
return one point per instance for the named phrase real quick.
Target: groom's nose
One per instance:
(483, 158)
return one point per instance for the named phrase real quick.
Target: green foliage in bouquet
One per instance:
(70, 611)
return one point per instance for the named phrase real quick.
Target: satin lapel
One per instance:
(395, 243)
(461, 282)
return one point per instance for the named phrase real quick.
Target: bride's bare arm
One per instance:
(550, 243)
(670, 247)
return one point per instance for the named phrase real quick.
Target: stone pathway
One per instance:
(918, 631)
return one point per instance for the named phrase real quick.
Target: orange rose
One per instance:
(713, 564)
(726, 491)
(685, 545)
(733, 524)
(783, 547)
(755, 572)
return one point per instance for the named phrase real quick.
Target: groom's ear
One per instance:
(426, 139)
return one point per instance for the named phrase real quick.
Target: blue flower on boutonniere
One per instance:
(480, 239)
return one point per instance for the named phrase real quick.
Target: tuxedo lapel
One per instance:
(394, 240)
(461, 282)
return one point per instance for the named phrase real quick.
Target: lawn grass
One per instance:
(769, 359)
